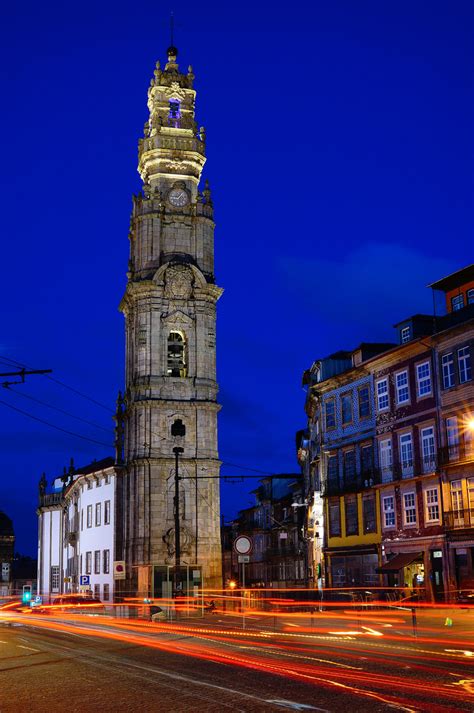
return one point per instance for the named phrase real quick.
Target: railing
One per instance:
(361, 481)
(50, 499)
(457, 452)
(458, 519)
(289, 551)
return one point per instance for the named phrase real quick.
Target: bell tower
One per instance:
(170, 323)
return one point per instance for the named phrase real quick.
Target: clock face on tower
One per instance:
(178, 197)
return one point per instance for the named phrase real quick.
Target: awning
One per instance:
(403, 559)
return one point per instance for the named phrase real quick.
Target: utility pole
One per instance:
(22, 373)
(177, 450)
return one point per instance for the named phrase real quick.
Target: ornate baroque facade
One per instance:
(170, 321)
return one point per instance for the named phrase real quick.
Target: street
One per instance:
(361, 661)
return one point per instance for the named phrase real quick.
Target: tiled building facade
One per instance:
(389, 446)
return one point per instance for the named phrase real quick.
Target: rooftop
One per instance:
(456, 279)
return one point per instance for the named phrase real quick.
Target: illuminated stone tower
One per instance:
(170, 321)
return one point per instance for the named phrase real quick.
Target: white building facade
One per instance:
(77, 533)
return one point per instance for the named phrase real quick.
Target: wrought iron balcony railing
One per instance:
(459, 519)
(50, 499)
(462, 451)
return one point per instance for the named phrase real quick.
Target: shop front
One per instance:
(418, 567)
(356, 567)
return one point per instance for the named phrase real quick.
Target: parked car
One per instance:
(77, 602)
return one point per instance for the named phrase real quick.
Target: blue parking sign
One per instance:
(84, 580)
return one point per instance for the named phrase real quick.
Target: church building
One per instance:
(165, 478)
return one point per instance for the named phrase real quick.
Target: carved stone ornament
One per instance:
(185, 539)
(179, 282)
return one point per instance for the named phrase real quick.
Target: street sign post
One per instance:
(243, 559)
(119, 570)
(243, 546)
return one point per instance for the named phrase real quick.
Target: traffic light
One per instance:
(26, 594)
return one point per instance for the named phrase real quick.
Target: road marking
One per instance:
(294, 706)
(28, 648)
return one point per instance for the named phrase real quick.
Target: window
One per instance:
(428, 449)
(176, 355)
(464, 364)
(457, 302)
(368, 513)
(106, 596)
(470, 296)
(81, 570)
(107, 479)
(89, 516)
(346, 408)
(82, 519)
(349, 466)
(107, 512)
(98, 483)
(97, 591)
(382, 394)
(367, 460)
(409, 508)
(452, 437)
(334, 518)
(457, 502)
(388, 507)
(106, 563)
(97, 562)
(352, 520)
(89, 485)
(401, 382)
(447, 365)
(432, 504)
(98, 513)
(406, 454)
(423, 378)
(174, 109)
(55, 578)
(330, 412)
(364, 402)
(333, 470)
(385, 453)
(470, 494)
(405, 335)
(88, 562)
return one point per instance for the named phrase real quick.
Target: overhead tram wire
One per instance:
(52, 425)
(60, 410)
(62, 383)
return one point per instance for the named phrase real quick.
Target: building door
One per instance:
(436, 576)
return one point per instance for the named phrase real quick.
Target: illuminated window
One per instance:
(405, 335)
(423, 378)
(388, 506)
(464, 363)
(176, 355)
(88, 562)
(106, 596)
(106, 564)
(403, 392)
(98, 509)
(406, 454)
(352, 520)
(432, 504)
(334, 518)
(428, 449)
(457, 302)
(447, 363)
(382, 394)
(470, 297)
(175, 112)
(385, 456)
(409, 508)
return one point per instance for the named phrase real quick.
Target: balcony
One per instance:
(290, 551)
(462, 452)
(459, 519)
(50, 500)
(72, 530)
(361, 481)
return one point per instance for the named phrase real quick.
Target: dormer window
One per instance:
(175, 112)
(405, 335)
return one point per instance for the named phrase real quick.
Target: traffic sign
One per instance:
(119, 570)
(84, 580)
(243, 545)
(243, 559)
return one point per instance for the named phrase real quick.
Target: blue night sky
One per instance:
(340, 154)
